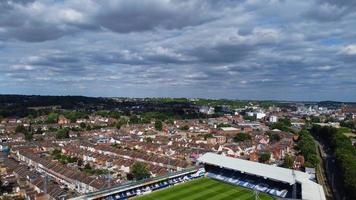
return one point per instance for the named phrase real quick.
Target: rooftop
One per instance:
(310, 189)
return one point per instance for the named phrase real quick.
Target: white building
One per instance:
(207, 110)
(273, 119)
(260, 115)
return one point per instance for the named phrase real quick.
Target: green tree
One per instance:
(74, 115)
(184, 128)
(56, 152)
(274, 137)
(345, 156)
(28, 136)
(82, 125)
(264, 157)
(349, 124)
(240, 137)
(209, 135)
(249, 118)
(80, 162)
(315, 119)
(121, 122)
(158, 125)
(140, 171)
(223, 125)
(134, 119)
(62, 133)
(307, 147)
(285, 121)
(149, 140)
(288, 161)
(21, 129)
(52, 118)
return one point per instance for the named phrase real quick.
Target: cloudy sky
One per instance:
(245, 49)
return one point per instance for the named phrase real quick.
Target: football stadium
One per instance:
(219, 177)
(204, 189)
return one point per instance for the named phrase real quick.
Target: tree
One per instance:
(221, 125)
(345, 156)
(288, 161)
(283, 125)
(285, 121)
(80, 162)
(209, 135)
(264, 157)
(82, 125)
(158, 125)
(274, 137)
(56, 152)
(184, 128)
(28, 136)
(315, 119)
(307, 147)
(39, 131)
(62, 133)
(74, 115)
(87, 166)
(240, 137)
(149, 140)
(140, 171)
(349, 124)
(52, 118)
(121, 122)
(134, 119)
(20, 129)
(249, 118)
(170, 121)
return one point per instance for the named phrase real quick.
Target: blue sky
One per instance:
(245, 49)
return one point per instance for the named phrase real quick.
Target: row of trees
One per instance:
(345, 156)
(27, 132)
(240, 137)
(71, 115)
(349, 124)
(64, 159)
(307, 147)
(283, 125)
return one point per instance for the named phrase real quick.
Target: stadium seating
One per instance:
(156, 186)
(249, 181)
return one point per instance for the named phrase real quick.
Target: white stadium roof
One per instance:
(229, 129)
(310, 189)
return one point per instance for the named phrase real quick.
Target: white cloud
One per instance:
(349, 49)
(227, 48)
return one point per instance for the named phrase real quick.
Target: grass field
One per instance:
(203, 189)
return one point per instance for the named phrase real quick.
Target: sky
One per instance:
(239, 49)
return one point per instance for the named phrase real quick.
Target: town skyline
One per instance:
(179, 97)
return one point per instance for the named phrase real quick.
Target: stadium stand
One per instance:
(130, 190)
(249, 181)
(276, 181)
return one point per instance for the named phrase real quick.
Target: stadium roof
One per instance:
(229, 129)
(310, 189)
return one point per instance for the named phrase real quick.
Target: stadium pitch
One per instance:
(203, 189)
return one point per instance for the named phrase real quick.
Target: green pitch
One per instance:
(203, 189)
